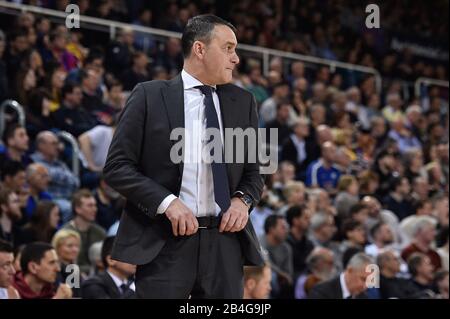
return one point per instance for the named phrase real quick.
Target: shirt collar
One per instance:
(117, 280)
(345, 292)
(190, 82)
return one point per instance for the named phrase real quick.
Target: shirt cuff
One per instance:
(165, 204)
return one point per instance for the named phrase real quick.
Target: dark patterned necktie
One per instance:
(219, 170)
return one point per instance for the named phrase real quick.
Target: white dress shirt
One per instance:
(120, 282)
(345, 292)
(197, 187)
(300, 146)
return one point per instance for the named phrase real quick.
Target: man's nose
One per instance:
(235, 59)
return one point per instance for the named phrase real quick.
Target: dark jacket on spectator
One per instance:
(103, 287)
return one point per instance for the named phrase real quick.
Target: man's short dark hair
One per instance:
(6, 247)
(294, 212)
(414, 262)
(10, 131)
(350, 225)
(271, 222)
(33, 252)
(355, 209)
(107, 249)
(11, 168)
(68, 88)
(199, 28)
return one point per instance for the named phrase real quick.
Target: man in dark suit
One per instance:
(351, 284)
(185, 224)
(115, 282)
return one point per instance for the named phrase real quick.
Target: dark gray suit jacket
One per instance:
(139, 167)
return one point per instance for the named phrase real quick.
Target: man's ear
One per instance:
(198, 48)
(33, 267)
(111, 262)
(250, 284)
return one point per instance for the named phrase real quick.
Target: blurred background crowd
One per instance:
(363, 170)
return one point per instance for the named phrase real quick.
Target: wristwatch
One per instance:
(245, 198)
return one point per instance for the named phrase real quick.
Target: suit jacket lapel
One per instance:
(173, 97)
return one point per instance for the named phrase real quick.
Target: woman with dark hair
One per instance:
(43, 223)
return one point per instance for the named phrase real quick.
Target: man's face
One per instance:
(426, 268)
(13, 207)
(48, 268)
(393, 263)
(87, 209)
(261, 288)
(328, 228)
(40, 178)
(280, 230)
(125, 268)
(7, 270)
(20, 140)
(49, 146)
(358, 235)
(357, 280)
(386, 235)
(220, 56)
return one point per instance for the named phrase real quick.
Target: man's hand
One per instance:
(235, 218)
(63, 292)
(182, 218)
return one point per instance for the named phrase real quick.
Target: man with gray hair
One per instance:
(63, 182)
(350, 284)
(320, 266)
(424, 233)
(38, 179)
(322, 230)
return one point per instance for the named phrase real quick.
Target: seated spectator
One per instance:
(424, 233)
(85, 211)
(7, 271)
(93, 98)
(280, 123)
(67, 245)
(297, 148)
(71, 116)
(40, 268)
(422, 273)
(109, 204)
(115, 283)
(347, 195)
(295, 194)
(42, 225)
(381, 237)
(257, 282)
(403, 136)
(94, 145)
(322, 173)
(10, 214)
(354, 235)
(421, 208)
(14, 177)
(280, 253)
(441, 283)
(259, 214)
(62, 180)
(397, 201)
(322, 230)
(391, 285)
(137, 73)
(95, 258)
(16, 142)
(376, 214)
(320, 267)
(38, 179)
(350, 284)
(298, 218)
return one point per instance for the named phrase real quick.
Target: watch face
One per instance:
(247, 199)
